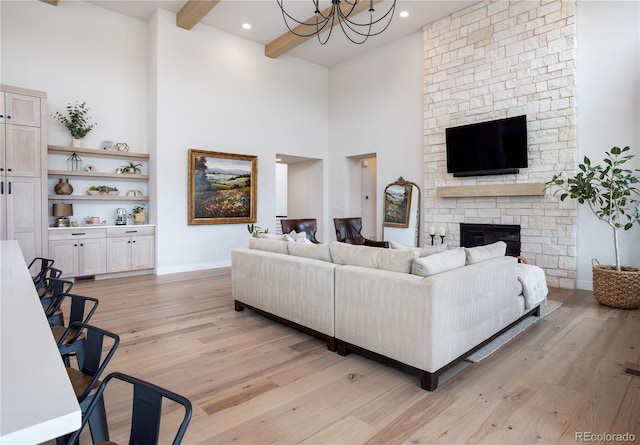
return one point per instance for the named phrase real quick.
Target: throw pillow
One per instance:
(430, 250)
(294, 236)
(399, 246)
(269, 245)
(272, 236)
(349, 254)
(483, 253)
(309, 250)
(438, 262)
(396, 260)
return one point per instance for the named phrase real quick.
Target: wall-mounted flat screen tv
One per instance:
(488, 148)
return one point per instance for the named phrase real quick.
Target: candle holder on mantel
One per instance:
(441, 239)
(432, 237)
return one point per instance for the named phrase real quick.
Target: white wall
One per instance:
(375, 107)
(218, 92)
(72, 52)
(608, 59)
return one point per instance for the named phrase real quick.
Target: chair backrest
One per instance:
(146, 410)
(46, 272)
(348, 230)
(40, 271)
(51, 292)
(81, 308)
(89, 352)
(309, 226)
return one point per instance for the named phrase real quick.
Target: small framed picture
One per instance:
(107, 145)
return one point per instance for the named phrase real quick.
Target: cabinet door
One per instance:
(92, 256)
(23, 214)
(22, 110)
(65, 256)
(22, 151)
(143, 252)
(119, 254)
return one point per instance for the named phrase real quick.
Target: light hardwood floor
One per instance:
(254, 381)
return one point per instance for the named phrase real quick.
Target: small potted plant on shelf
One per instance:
(103, 190)
(77, 121)
(139, 214)
(131, 168)
(256, 231)
(611, 193)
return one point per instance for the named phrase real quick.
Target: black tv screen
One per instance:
(488, 148)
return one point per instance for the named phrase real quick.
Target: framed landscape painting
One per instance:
(222, 188)
(397, 205)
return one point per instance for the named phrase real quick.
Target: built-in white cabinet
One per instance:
(130, 248)
(86, 251)
(79, 252)
(22, 128)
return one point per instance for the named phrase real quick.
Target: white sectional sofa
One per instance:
(420, 314)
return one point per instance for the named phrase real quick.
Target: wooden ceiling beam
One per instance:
(288, 40)
(193, 11)
(50, 2)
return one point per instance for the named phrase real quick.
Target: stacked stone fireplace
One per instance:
(499, 59)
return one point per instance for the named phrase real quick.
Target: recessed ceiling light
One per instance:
(246, 26)
(404, 14)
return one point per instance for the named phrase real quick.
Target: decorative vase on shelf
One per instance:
(140, 217)
(63, 187)
(76, 143)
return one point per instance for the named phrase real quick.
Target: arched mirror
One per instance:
(401, 221)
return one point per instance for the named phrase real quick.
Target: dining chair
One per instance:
(81, 309)
(93, 349)
(51, 292)
(41, 271)
(348, 230)
(146, 411)
(309, 226)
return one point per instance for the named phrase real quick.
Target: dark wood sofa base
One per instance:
(331, 341)
(428, 380)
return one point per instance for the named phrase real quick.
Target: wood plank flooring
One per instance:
(254, 381)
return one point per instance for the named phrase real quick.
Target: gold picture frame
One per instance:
(397, 204)
(223, 188)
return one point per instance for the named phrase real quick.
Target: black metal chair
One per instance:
(42, 271)
(51, 292)
(92, 356)
(348, 230)
(308, 226)
(81, 310)
(146, 411)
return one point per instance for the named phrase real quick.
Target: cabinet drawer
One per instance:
(117, 232)
(77, 233)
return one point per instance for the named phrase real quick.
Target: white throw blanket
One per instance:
(534, 284)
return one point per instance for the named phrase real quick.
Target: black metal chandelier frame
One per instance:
(348, 25)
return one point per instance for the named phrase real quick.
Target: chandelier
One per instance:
(340, 12)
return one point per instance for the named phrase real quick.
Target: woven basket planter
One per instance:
(619, 289)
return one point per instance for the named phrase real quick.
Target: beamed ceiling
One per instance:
(268, 27)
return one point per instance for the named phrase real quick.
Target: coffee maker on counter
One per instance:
(121, 217)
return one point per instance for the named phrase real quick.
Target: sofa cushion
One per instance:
(439, 262)
(269, 245)
(352, 255)
(309, 250)
(487, 252)
(396, 260)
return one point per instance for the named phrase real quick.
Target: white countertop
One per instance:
(37, 402)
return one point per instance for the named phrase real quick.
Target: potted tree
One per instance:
(611, 193)
(77, 121)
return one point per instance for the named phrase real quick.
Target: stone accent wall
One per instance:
(500, 59)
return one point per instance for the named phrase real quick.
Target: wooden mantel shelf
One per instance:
(475, 191)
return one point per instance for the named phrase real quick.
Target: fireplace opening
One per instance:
(472, 235)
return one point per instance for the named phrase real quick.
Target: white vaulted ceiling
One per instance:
(267, 22)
